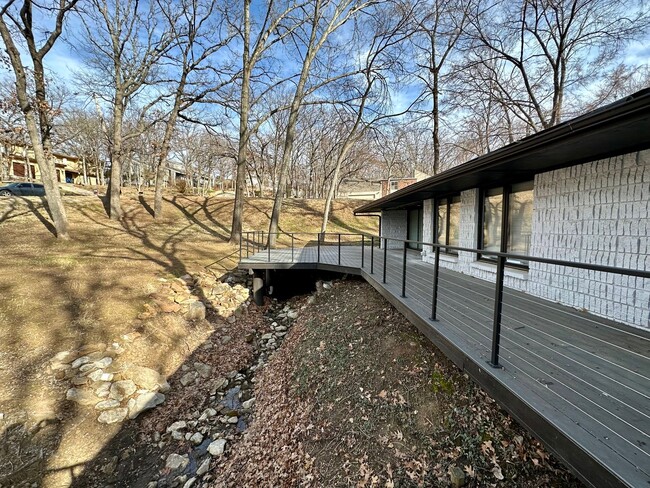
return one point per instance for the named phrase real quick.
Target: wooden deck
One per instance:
(579, 383)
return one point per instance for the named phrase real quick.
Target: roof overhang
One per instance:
(620, 128)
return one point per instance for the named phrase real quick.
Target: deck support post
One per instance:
(268, 249)
(339, 249)
(292, 247)
(385, 257)
(363, 248)
(241, 242)
(318, 250)
(404, 271)
(434, 296)
(372, 254)
(498, 302)
(247, 241)
(258, 288)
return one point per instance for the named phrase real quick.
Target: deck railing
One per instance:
(254, 242)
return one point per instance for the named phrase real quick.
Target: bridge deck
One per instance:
(578, 382)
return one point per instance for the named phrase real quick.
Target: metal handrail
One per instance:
(500, 268)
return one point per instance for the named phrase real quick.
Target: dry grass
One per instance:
(60, 295)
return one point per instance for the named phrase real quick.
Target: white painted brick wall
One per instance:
(427, 225)
(599, 213)
(394, 224)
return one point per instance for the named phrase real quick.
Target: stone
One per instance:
(131, 336)
(107, 404)
(80, 361)
(203, 369)
(64, 357)
(196, 438)
(167, 306)
(99, 375)
(87, 368)
(82, 397)
(122, 389)
(266, 337)
(164, 387)
(207, 413)
(248, 404)
(233, 420)
(292, 314)
(327, 285)
(217, 447)
(203, 467)
(177, 435)
(144, 402)
(180, 425)
(188, 378)
(79, 380)
(457, 477)
(196, 311)
(176, 462)
(104, 362)
(115, 348)
(103, 390)
(112, 416)
(145, 377)
(189, 483)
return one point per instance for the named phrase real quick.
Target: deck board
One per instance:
(585, 376)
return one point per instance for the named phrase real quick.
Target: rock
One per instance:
(233, 420)
(79, 380)
(86, 368)
(103, 390)
(167, 306)
(203, 369)
(104, 362)
(144, 402)
(177, 435)
(327, 285)
(189, 483)
(196, 438)
(248, 404)
(164, 387)
(64, 357)
(99, 375)
(207, 413)
(188, 378)
(457, 477)
(203, 468)
(176, 462)
(112, 416)
(131, 336)
(115, 348)
(266, 337)
(196, 311)
(217, 447)
(82, 397)
(180, 425)
(292, 314)
(80, 361)
(227, 339)
(144, 377)
(122, 389)
(107, 404)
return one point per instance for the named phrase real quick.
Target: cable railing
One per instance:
(255, 242)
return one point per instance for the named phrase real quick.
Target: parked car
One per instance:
(22, 190)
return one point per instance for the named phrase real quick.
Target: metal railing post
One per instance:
(372, 254)
(241, 243)
(434, 296)
(318, 253)
(292, 247)
(268, 249)
(498, 302)
(247, 240)
(339, 249)
(404, 272)
(385, 258)
(363, 248)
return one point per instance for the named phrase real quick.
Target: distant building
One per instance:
(394, 184)
(359, 189)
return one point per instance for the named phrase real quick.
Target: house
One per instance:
(579, 191)
(18, 162)
(391, 185)
(359, 189)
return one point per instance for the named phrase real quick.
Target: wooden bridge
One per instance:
(578, 382)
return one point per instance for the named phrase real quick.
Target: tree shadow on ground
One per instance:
(146, 205)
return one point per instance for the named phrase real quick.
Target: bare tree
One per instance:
(325, 17)
(19, 24)
(124, 40)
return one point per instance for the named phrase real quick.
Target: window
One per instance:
(394, 185)
(447, 223)
(519, 215)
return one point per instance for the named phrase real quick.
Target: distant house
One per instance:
(18, 163)
(579, 191)
(359, 189)
(394, 184)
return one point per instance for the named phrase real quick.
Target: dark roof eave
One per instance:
(565, 136)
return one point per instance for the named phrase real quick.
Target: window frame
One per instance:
(507, 190)
(436, 203)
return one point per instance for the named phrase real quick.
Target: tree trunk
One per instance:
(115, 183)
